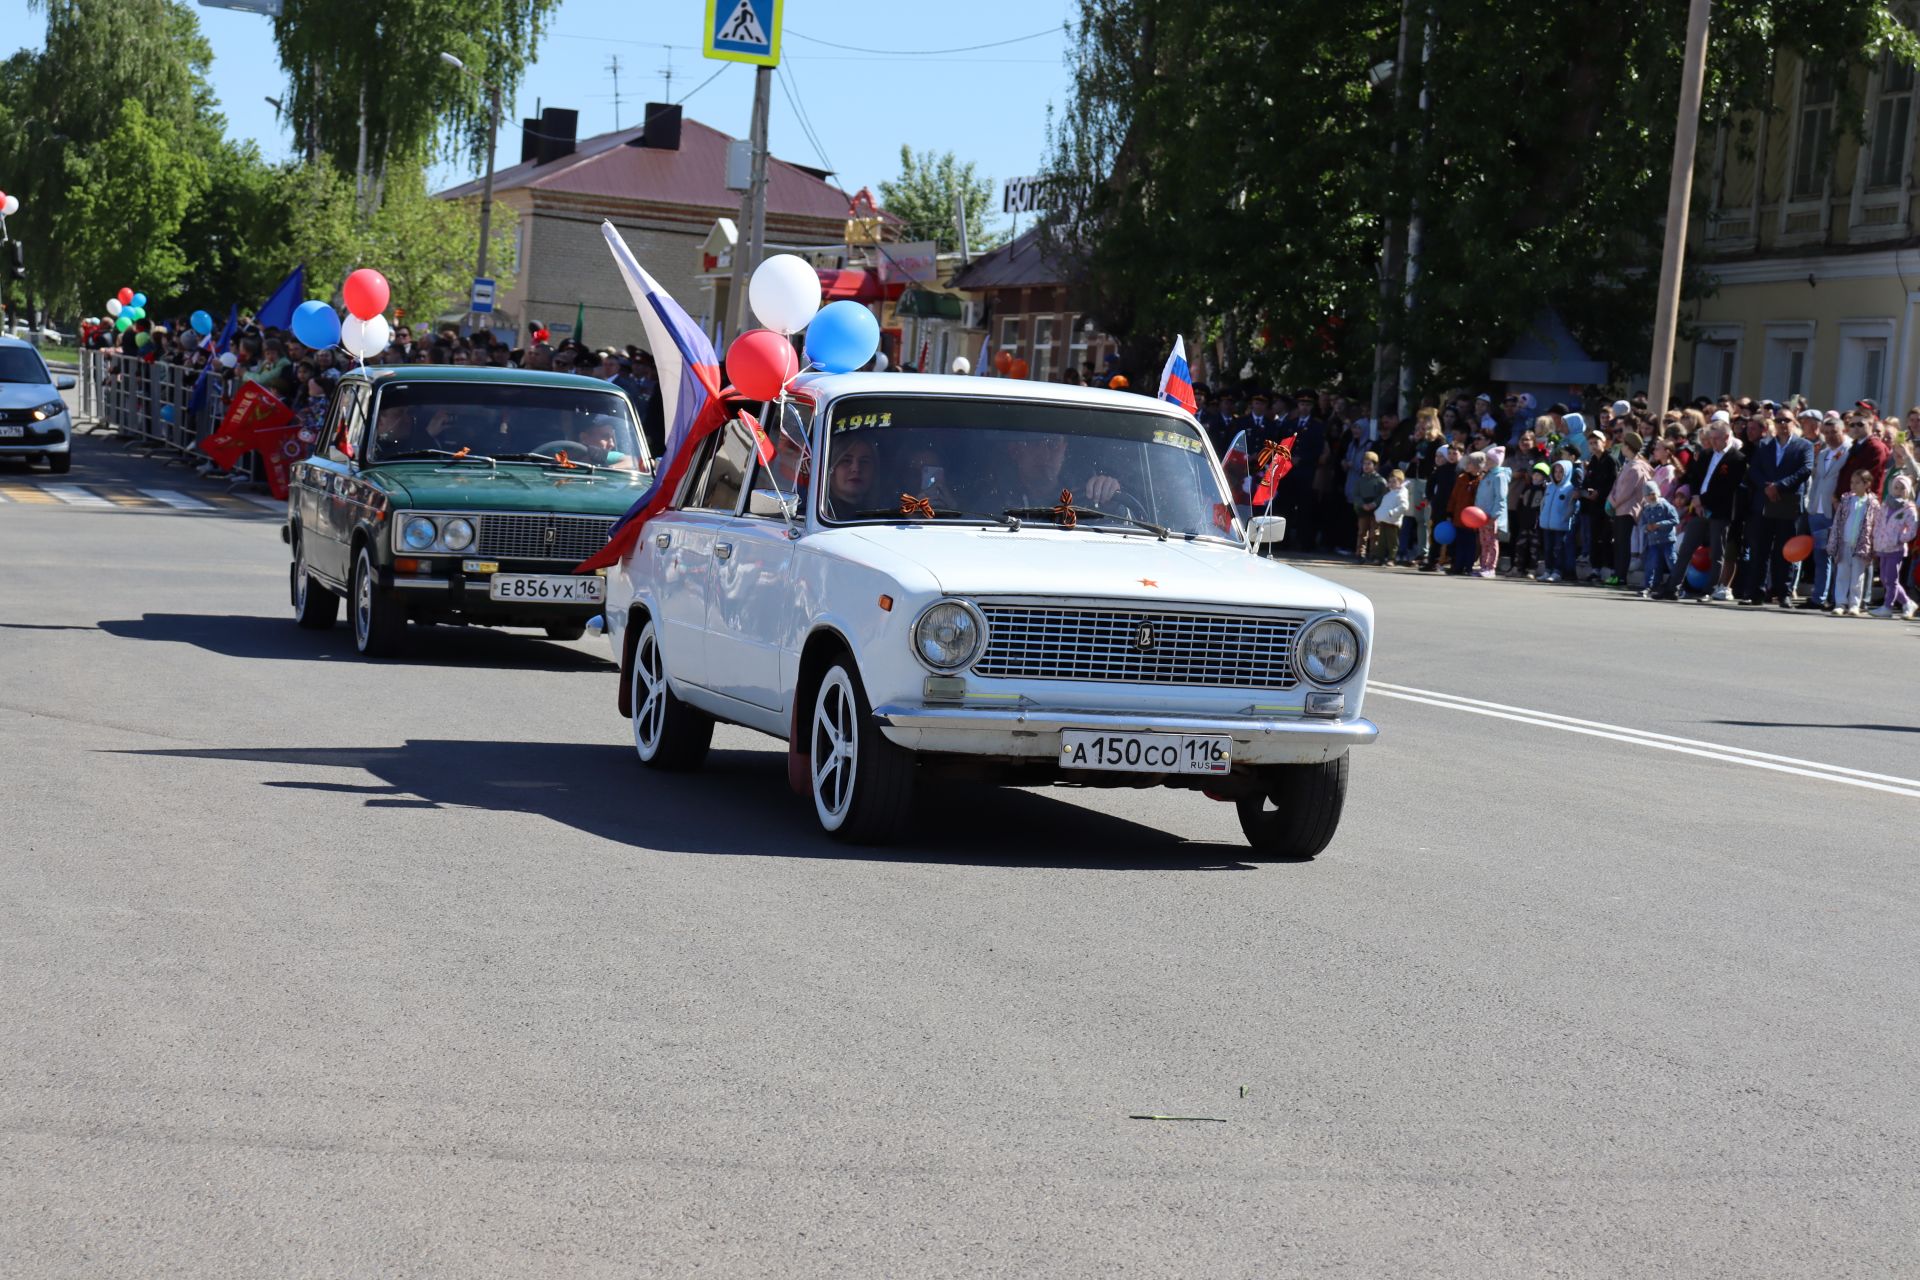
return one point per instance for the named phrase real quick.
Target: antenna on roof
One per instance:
(613, 65)
(667, 73)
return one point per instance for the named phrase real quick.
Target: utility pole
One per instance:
(1390, 250)
(1673, 255)
(613, 65)
(1416, 222)
(486, 191)
(751, 237)
(360, 165)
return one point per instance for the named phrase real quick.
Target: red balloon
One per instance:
(366, 293)
(1473, 517)
(125, 296)
(1702, 559)
(1018, 369)
(761, 363)
(1798, 548)
(1003, 361)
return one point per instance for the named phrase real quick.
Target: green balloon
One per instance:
(122, 324)
(142, 339)
(138, 313)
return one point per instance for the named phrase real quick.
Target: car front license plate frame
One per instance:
(1136, 752)
(546, 588)
(11, 432)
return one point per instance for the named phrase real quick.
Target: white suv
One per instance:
(1038, 582)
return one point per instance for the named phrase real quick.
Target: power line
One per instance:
(806, 126)
(920, 53)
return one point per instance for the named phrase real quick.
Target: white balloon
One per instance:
(784, 293)
(11, 207)
(113, 305)
(879, 362)
(961, 367)
(228, 360)
(365, 338)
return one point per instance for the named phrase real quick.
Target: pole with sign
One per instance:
(748, 31)
(482, 303)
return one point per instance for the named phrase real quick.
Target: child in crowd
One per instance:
(1390, 514)
(1556, 523)
(1446, 469)
(1659, 525)
(1850, 543)
(1899, 524)
(1369, 487)
(1465, 548)
(1526, 519)
(1490, 495)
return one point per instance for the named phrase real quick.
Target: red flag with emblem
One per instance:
(1274, 463)
(762, 442)
(260, 422)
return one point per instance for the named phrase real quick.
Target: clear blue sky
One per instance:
(985, 105)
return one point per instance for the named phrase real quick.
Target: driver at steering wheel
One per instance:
(1036, 461)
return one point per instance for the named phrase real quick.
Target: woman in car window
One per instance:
(923, 474)
(850, 480)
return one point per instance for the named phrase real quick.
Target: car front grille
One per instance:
(542, 537)
(1138, 646)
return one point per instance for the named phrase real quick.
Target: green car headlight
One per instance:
(1329, 651)
(418, 533)
(458, 534)
(948, 635)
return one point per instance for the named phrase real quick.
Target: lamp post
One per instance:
(486, 196)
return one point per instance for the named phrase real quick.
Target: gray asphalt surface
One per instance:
(312, 966)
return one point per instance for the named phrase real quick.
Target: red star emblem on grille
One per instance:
(1148, 582)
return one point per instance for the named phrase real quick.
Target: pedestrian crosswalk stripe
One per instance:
(27, 493)
(272, 504)
(177, 500)
(74, 495)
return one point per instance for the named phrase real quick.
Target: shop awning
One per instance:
(928, 305)
(854, 284)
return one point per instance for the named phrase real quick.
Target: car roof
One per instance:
(379, 375)
(823, 386)
(8, 340)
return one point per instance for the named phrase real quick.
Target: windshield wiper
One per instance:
(895, 513)
(462, 456)
(1159, 531)
(551, 461)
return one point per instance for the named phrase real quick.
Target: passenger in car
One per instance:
(923, 474)
(850, 480)
(1036, 464)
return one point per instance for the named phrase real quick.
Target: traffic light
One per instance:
(17, 256)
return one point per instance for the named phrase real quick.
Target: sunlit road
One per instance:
(312, 966)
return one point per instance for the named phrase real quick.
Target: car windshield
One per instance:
(507, 421)
(954, 458)
(19, 364)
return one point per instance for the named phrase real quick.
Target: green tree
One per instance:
(427, 247)
(127, 198)
(923, 197)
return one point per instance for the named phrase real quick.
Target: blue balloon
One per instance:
(842, 337)
(1697, 579)
(139, 299)
(167, 414)
(202, 323)
(1443, 533)
(315, 324)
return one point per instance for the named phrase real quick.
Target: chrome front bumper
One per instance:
(1034, 732)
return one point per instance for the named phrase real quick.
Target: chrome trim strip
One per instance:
(1054, 719)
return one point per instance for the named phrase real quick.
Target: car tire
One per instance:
(379, 624)
(1296, 817)
(60, 463)
(667, 733)
(565, 630)
(314, 606)
(863, 790)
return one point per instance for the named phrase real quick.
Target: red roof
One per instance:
(694, 175)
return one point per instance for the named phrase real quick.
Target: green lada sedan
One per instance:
(441, 493)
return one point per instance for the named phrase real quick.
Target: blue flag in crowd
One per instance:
(198, 401)
(277, 311)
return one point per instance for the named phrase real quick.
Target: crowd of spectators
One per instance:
(1710, 501)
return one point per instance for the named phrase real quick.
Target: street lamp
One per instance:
(486, 197)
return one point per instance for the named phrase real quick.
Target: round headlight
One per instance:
(458, 534)
(418, 533)
(1329, 651)
(948, 635)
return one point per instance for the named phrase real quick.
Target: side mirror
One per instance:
(766, 502)
(63, 383)
(1263, 531)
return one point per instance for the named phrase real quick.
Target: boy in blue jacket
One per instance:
(1556, 524)
(1659, 527)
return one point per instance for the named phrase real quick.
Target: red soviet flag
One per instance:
(260, 422)
(1274, 462)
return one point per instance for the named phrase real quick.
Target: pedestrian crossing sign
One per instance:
(744, 31)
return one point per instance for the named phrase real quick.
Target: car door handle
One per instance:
(663, 540)
(723, 551)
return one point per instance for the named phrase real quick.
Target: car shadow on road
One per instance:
(250, 636)
(739, 804)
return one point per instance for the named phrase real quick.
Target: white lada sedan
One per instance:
(1030, 582)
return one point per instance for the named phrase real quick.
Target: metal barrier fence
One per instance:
(146, 404)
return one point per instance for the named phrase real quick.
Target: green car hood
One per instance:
(472, 486)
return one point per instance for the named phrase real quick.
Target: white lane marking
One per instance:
(1658, 741)
(177, 500)
(271, 504)
(74, 496)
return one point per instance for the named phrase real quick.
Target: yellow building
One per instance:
(1809, 240)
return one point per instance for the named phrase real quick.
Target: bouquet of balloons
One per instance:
(363, 330)
(126, 307)
(784, 293)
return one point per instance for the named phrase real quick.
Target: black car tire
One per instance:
(60, 463)
(314, 607)
(566, 630)
(379, 623)
(1297, 816)
(667, 733)
(863, 792)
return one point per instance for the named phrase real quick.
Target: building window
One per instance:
(1042, 370)
(1716, 364)
(1077, 330)
(1813, 138)
(1864, 346)
(1787, 371)
(1010, 335)
(1887, 156)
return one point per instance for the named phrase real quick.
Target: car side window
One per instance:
(786, 474)
(343, 431)
(727, 471)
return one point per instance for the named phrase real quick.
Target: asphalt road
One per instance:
(313, 966)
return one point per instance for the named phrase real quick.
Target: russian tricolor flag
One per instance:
(689, 382)
(1176, 380)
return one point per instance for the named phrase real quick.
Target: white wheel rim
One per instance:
(299, 579)
(833, 754)
(649, 695)
(363, 601)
